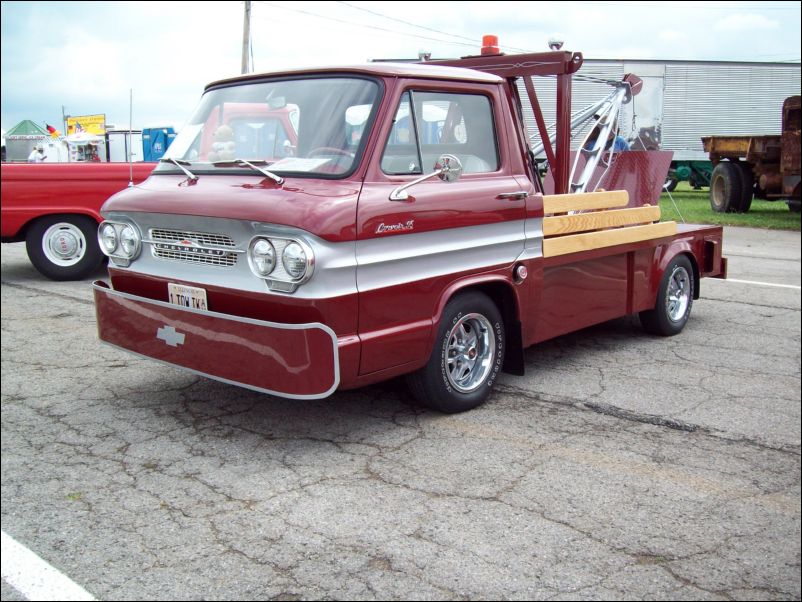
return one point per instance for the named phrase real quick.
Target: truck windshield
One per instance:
(302, 126)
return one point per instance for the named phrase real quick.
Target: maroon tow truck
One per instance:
(405, 231)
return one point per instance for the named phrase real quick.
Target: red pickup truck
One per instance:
(404, 229)
(55, 209)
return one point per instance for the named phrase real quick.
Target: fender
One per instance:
(17, 222)
(493, 285)
(661, 261)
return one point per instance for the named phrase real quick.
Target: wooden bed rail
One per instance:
(597, 224)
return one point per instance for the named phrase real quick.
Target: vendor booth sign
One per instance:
(87, 124)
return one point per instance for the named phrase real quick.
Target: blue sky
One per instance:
(88, 56)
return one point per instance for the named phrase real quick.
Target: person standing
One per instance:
(37, 155)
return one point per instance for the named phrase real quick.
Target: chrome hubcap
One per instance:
(470, 352)
(64, 244)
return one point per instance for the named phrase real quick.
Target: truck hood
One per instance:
(325, 208)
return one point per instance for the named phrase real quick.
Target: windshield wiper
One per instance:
(180, 164)
(277, 179)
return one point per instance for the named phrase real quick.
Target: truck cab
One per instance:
(326, 229)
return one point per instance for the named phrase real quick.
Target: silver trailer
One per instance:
(681, 102)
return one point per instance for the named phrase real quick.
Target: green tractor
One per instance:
(697, 173)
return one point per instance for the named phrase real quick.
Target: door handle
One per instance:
(519, 195)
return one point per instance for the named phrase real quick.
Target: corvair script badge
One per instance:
(399, 227)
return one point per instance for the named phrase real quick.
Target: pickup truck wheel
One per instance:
(467, 356)
(725, 187)
(674, 300)
(64, 247)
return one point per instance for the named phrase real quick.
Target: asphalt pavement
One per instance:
(622, 466)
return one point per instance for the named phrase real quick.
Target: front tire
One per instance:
(674, 300)
(64, 247)
(467, 356)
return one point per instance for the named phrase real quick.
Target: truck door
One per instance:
(410, 252)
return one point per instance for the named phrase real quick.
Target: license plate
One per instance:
(187, 296)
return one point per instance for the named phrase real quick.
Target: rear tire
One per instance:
(674, 300)
(467, 356)
(64, 247)
(725, 187)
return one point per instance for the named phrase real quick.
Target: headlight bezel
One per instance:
(135, 240)
(107, 231)
(280, 279)
(124, 251)
(253, 261)
(300, 257)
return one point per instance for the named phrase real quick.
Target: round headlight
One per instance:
(263, 257)
(294, 260)
(108, 238)
(129, 241)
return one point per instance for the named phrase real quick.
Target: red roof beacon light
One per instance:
(490, 45)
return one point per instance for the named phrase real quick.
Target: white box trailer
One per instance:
(682, 101)
(118, 143)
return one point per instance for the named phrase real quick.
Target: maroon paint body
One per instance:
(293, 360)
(385, 322)
(34, 190)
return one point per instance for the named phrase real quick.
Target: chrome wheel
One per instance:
(678, 294)
(470, 352)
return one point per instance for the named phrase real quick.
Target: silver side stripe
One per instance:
(404, 258)
(347, 267)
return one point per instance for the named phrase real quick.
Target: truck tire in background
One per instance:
(467, 356)
(64, 247)
(726, 187)
(747, 186)
(674, 300)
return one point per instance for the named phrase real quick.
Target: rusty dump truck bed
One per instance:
(749, 148)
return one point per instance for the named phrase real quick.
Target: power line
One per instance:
(384, 29)
(724, 6)
(472, 45)
(454, 35)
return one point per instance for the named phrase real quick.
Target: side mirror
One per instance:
(448, 168)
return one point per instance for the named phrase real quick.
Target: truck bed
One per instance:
(749, 148)
(601, 262)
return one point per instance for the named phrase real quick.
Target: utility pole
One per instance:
(246, 37)
(64, 117)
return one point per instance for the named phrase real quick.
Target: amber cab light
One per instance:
(490, 45)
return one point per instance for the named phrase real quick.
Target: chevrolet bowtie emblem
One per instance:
(170, 335)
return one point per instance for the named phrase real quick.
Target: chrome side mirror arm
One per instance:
(448, 168)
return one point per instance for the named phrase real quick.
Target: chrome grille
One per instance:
(201, 248)
(203, 238)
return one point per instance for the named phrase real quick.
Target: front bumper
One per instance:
(298, 361)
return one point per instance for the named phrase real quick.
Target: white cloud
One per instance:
(168, 52)
(745, 22)
(672, 35)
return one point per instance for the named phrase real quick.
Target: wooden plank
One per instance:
(563, 203)
(588, 241)
(582, 222)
